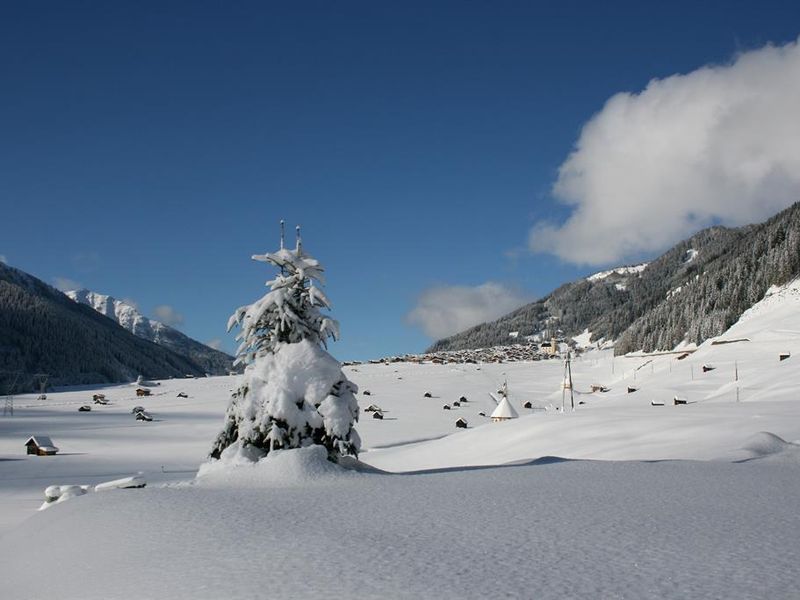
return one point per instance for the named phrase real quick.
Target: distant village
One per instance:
(533, 349)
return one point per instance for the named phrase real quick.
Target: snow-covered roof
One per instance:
(504, 410)
(41, 441)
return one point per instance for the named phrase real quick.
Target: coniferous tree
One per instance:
(293, 393)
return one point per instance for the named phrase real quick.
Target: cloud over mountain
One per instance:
(444, 310)
(168, 315)
(718, 145)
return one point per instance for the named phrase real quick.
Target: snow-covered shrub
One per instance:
(293, 393)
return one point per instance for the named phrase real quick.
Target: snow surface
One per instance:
(584, 340)
(632, 270)
(616, 499)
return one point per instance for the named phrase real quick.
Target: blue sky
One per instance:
(148, 149)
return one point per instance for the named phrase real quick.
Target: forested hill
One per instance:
(43, 331)
(694, 291)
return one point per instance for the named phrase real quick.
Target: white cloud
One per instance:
(444, 310)
(3, 259)
(719, 144)
(216, 344)
(66, 284)
(168, 315)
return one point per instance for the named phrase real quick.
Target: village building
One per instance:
(41, 445)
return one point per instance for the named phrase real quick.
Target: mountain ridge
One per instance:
(214, 361)
(44, 331)
(693, 291)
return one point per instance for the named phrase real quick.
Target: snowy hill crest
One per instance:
(120, 311)
(127, 315)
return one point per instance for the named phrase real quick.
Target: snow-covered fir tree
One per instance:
(293, 393)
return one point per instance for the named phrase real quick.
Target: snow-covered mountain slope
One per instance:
(213, 361)
(693, 292)
(43, 331)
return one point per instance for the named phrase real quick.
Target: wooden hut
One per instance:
(461, 423)
(41, 445)
(142, 392)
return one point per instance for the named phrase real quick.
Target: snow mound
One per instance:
(766, 445)
(279, 468)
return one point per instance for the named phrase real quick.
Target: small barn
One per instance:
(142, 392)
(461, 423)
(504, 411)
(41, 445)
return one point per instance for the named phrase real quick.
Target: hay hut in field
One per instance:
(41, 445)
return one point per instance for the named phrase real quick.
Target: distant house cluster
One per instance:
(496, 354)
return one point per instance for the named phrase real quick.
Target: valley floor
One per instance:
(619, 498)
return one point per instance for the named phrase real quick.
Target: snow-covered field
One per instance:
(619, 498)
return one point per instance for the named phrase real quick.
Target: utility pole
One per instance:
(567, 382)
(8, 406)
